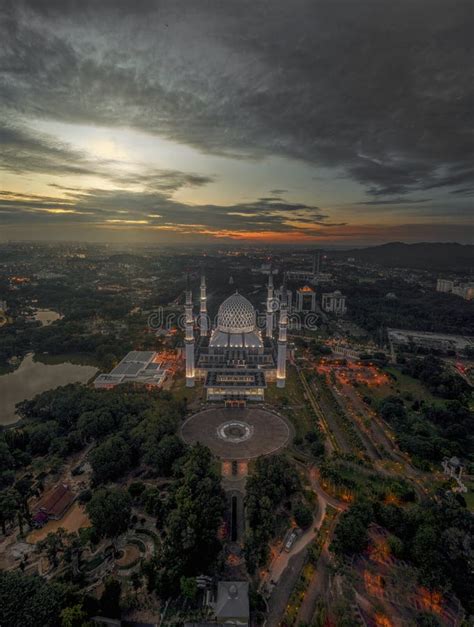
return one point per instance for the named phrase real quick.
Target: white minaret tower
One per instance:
(282, 326)
(203, 307)
(189, 336)
(269, 319)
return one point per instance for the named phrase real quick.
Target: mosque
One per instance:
(234, 359)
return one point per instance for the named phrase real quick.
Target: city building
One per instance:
(229, 603)
(143, 367)
(454, 469)
(235, 359)
(464, 290)
(314, 276)
(439, 341)
(53, 505)
(305, 299)
(444, 285)
(334, 302)
(232, 603)
(277, 293)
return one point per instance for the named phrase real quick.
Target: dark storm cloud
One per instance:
(380, 90)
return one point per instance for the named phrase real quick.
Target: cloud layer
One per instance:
(379, 92)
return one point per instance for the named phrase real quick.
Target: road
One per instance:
(332, 443)
(285, 568)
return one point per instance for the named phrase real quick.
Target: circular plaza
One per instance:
(235, 433)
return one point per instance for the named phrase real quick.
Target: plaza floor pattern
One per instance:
(234, 433)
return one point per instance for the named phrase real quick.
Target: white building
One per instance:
(439, 341)
(334, 302)
(234, 358)
(444, 285)
(464, 290)
(144, 367)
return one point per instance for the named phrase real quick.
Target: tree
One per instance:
(303, 515)
(153, 503)
(197, 506)
(110, 599)
(52, 545)
(136, 489)
(96, 423)
(28, 600)
(74, 616)
(110, 512)
(6, 458)
(273, 480)
(188, 587)
(163, 455)
(8, 507)
(110, 459)
(351, 535)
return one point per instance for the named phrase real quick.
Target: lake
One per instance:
(33, 377)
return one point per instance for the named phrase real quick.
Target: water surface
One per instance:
(33, 377)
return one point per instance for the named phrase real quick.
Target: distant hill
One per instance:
(437, 256)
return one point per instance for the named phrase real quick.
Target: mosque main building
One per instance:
(235, 359)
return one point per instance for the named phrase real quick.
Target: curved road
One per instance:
(285, 568)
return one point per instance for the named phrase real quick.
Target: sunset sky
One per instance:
(335, 121)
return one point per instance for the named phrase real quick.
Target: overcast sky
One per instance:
(334, 121)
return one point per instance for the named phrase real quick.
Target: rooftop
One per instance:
(135, 367)
(232, 599)
(55, 501)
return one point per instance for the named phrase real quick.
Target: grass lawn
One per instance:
(469, 496)
(193, 395)
(403, 386)
(290, 400)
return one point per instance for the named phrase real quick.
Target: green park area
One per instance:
(291, 401)
(403, 385)
(469, 495)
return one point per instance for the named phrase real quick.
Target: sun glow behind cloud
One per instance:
(237, 125)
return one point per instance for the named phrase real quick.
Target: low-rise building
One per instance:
(334, 302)
(144, 367)
(443, 342)
(444, 285)
(464, 290)
(53, 504)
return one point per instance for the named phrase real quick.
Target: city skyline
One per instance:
(271, 122)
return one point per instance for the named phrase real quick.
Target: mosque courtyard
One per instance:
(237, 433)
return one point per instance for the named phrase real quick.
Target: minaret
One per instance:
(282, 326)
(203, 307)
(269, 320)
(189, 336)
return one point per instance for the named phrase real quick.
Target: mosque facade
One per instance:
(235, 359)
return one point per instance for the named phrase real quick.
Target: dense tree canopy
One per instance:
(195, 510)
(30, 601)
(109, 511)
(432, 431)
(273, 480)
(437, 537)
